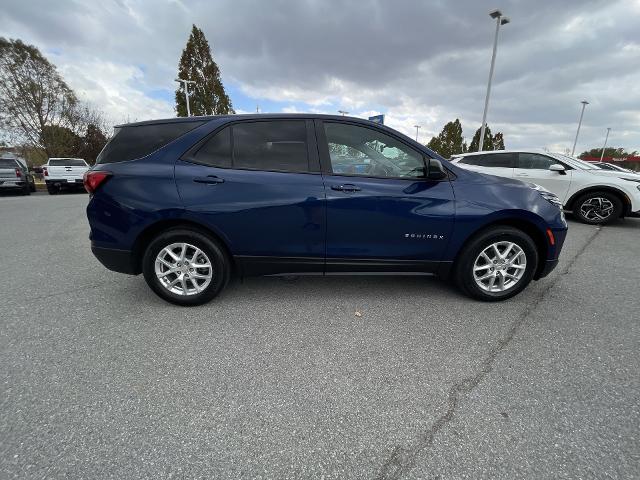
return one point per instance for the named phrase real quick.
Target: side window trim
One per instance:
(325, 158)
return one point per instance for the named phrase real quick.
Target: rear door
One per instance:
(382, 214)
(500, 164)
(534, 168)
(258, 185)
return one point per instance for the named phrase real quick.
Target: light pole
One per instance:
(343, 112)
(186, 92)
(417, 128)
(584, 104)
(605, 143)
(500, 20)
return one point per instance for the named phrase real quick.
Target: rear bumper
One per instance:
(11, 184)
(121, 261)
(63, 182)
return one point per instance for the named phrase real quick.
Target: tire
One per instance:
(515, 277)
(32, 187)
(52, 190)
(26, 190)
(597, 208)
(211, 251)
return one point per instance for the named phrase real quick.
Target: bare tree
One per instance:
(37, 107)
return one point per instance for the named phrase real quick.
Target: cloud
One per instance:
(418, 62)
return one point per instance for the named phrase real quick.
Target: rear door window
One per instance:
(279, 145)
(495, 160)
(131, 142)
(216, 151)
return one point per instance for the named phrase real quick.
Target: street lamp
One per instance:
(584, 104)
(417, 128)
(605, 144)
(500, 20)
(343, 112)
(186, 92)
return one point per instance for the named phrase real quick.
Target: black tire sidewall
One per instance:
(464, 267)
(218, 258)
(617, 207)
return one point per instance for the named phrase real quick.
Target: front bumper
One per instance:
(121, 261)
(547, 268)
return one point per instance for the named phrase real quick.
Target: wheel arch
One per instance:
(151, 231)
(624, 198)
(528, 227)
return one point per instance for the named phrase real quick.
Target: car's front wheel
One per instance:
(496, 264)
(597, 208)
(185, 267)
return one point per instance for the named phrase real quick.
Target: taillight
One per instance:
(93, 179)
(18, 173)
(46, 172)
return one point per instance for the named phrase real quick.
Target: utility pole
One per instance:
(605, 144)
(186, 92)
(584, 104)
(500, 20)
(417, 128)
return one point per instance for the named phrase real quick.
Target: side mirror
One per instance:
(436, 170)
(556, 167)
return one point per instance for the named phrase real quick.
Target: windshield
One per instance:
(575, 162)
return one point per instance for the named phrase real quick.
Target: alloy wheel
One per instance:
(499, 267)
(596, 209)
(183, 269)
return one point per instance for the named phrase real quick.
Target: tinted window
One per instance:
(535, 161)
(279, 145)
(68, 162)
(356, 150)
(503, 160)
(216, 151)
(8, 163)
(133, 142)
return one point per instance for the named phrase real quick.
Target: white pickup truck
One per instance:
(64, 173)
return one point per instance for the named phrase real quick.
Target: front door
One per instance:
(534, 168)
(382, 214)
(258, 185)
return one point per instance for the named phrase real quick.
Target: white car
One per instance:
(594, 196)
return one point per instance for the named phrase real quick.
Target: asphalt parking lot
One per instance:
(280, 379)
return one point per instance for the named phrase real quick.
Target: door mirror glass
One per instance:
(436, 170)
(556, 167)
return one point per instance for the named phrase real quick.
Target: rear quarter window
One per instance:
(131, 142)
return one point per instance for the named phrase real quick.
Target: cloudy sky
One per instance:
(417, 61)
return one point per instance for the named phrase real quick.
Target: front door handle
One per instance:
(522, 175)
(210, 180)
(347, 187)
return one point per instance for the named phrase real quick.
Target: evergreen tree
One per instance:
(491, 142)
(449, 141)
(207, 96)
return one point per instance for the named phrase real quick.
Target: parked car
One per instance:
(189, 201)
(15, 176)
(64, 174)
(611, 167)
(593, 195)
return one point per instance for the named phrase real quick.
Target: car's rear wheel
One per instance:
(497, 264)
(597, 208)
(25, 189)
(52, 189)
(185, 267)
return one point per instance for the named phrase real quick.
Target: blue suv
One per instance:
(189, 202)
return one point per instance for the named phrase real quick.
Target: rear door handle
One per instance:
(211, 180)
(522, 175)
(347, 187)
